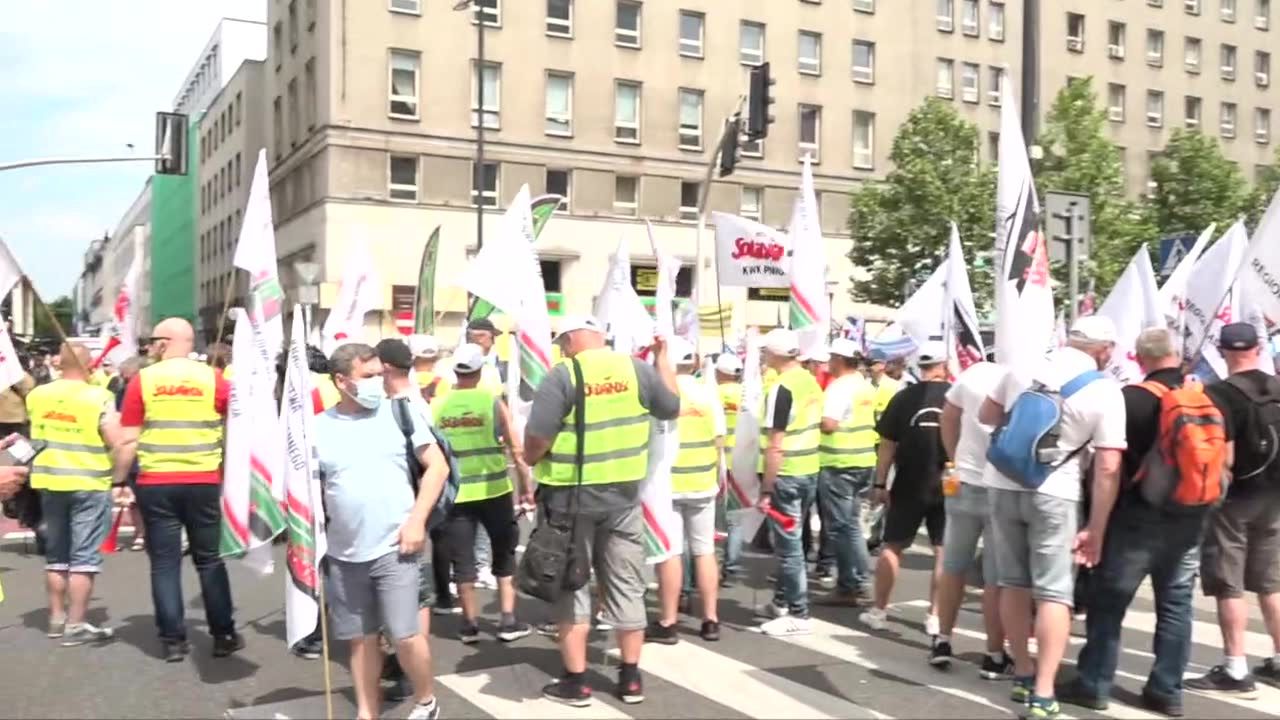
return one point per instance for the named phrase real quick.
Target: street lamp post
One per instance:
(477, 6)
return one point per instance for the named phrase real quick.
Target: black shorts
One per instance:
(903, 517)
(459, 535)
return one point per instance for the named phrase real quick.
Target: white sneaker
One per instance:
(486, 580)
(827, 582)
(85, 633)
(602, 625)
(787, 626)
(874, 618)
(932, 626)
(769, 610)
(429, 710)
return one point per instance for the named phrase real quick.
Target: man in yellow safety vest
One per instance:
(78, 425)
(432, 383)
(619, 394)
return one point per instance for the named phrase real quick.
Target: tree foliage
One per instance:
(1195, 184)
(63, 309)
(900, 227)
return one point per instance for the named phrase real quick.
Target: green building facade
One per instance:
(173, 237)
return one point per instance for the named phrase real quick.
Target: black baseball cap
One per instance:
(394, 352)
(1238, 336)
(483, 325)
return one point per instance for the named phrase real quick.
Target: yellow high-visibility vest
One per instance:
(694, 470)
(853, 444)
(467, 420)
(330, 395)
(801, 438)
(181, 430)
(67, 415)
(730, 397)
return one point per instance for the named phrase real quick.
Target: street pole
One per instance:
(1030, 68)
(79, 161)
(1073, 264)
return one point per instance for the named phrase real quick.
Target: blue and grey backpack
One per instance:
(1025, 447)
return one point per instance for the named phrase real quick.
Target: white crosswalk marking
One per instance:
(515, 691)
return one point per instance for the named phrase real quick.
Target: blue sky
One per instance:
(81, 78)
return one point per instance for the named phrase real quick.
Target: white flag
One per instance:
(1261, 276)
(664, 531)
(810, 307)
(1024, 300)
(1173, 293)
(1210, 304)
(306, 532)
(491, 274)
(358, 293)
(256, 255)
(11, 371)
(1133, 306)
(122, 331)
(750, 254)
(742, 490)
(960, 329)
(923, 316)
(619, 309)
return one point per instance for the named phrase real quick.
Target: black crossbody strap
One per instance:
(579, 429)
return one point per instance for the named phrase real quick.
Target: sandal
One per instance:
(139, 544)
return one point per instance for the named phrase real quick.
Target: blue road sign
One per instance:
(1172, 249)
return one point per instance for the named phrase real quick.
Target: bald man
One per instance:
(172, 416)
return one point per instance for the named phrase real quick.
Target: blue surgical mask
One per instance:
(370, 392)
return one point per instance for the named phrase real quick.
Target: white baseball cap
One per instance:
(681, 351)
(580, 322)
(781, 341)
(845, 348)
(424, 346)
(931, 353)
(1094, 328)
(468, 358)
(820, 354)
(729, 364)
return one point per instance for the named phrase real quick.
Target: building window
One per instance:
(237, 170)
(1261, 126)
(558, 184)
(993, 146)
(690, 131)
(239, 108)
(559, 104)
(748, 147)
(995, 21)
(1155, 108)
(945, 87)
(1155, 48)
(1228, 60)
(1262, 68)
(750, 205)
(750, 43)
(1227, 11)
(864, 140)
(626, 27)
(404, 84)
(1192, 7)
(1115, 40)
(691, 29)
(560, 18)
(810, 131)
(1191, 110)
(626, 112)
(486, 95)
(969, 82)
(413, 7)
(1075, 32)
(402, 178)
(309, 73)
(689, 193)
(969, 17)
(293, 26)
(946, 12)
(864, 6)
(1115, 102)
(1191, 52)
(1262, 14)
(810, 53)
(277, 124)
(626, 195)
(864, 61)
(995, 95)
(488, 10)
(295, 126)
(1227, 120)
(486, 194)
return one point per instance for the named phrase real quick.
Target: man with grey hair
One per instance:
(1142, 540)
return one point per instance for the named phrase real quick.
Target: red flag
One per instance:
(110, 545)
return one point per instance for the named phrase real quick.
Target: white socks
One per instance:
(1236, 667)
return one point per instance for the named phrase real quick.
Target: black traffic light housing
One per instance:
(759, 98)
(729, 146)
(171, 143)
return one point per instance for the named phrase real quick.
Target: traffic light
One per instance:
(729, 146)
(171, 143)
(759, 99)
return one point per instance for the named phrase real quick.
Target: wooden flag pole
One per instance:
(226, 306)
(53, 320)
(324, 644)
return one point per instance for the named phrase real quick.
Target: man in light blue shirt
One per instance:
(376, 527)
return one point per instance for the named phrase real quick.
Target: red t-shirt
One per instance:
(133, 413)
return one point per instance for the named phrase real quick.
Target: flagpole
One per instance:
(226, 307)
(324, 644)
(53, 319)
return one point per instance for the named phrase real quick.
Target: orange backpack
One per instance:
(1187, 466)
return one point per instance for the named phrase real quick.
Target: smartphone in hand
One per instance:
(21, 452)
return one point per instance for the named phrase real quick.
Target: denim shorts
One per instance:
(1033, 536)
(76, 523)
(967, 521)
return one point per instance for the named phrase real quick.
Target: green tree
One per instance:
(1079, 157)
(1195, 184)
(62, 308)
(901, 227)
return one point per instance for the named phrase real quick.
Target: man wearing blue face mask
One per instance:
(376, 527)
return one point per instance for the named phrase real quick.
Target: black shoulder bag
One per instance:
(553, 564)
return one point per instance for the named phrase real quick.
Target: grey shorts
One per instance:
(967, 521)
(614, 545)
(1032, 536)
(367, 596)
(76, 523)
(699, 518)
(1242, 548)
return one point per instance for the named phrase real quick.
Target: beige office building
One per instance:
(616, 104)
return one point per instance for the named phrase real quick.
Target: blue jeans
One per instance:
(76, 523)
(841, 490)
(166, 511)
(790, 496)
(733, 544)
(1141, 541)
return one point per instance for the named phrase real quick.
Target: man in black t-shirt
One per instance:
(911, 441)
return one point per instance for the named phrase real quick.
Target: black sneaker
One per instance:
(469, 634)
(176, 651)
(308, 649)
(399, 691)
(940, 654)
(1075, 693)
(1218, 681)
(996, 670)
(548, 629)
(710, 630)
(1268, 672)
(224, 645)
(656, 632)
(514, 631)
(568, 692)
(1166, 706)
(630, 689)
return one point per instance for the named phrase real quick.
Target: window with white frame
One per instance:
(1155, 48)
(559, 119)
(969, 17)
(995, 21)
(993, 146)
(1192, 50)
(1192, 7)
(1115, 102)
(489, 10)
(691, 33)
(484, 185)
(751, 204)
(626, 111)
(1192, 109)
(626, 24)
(810, 53)
(969, 82)
(995, 95)
(402, 178)
(1261, 125)
(1115, 40)
(810, 131)
(946, 13)
(1155, 108)
(864, 139)
(690, 131)
(1262, 14)
(689, 195)
(403, 71)
(626, 195)
(945, 83)
(1075, 32)
(486, 95)
(558, 182)
(864, 61)
(749, 148)
(1227, 119)
(1227, 11)
(750, 43)
(1262, 68)
(864, 6)
(1227, 60)
(413, 7)
(560, 18)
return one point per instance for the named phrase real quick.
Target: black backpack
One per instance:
(1257, 442)
(449, 493)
